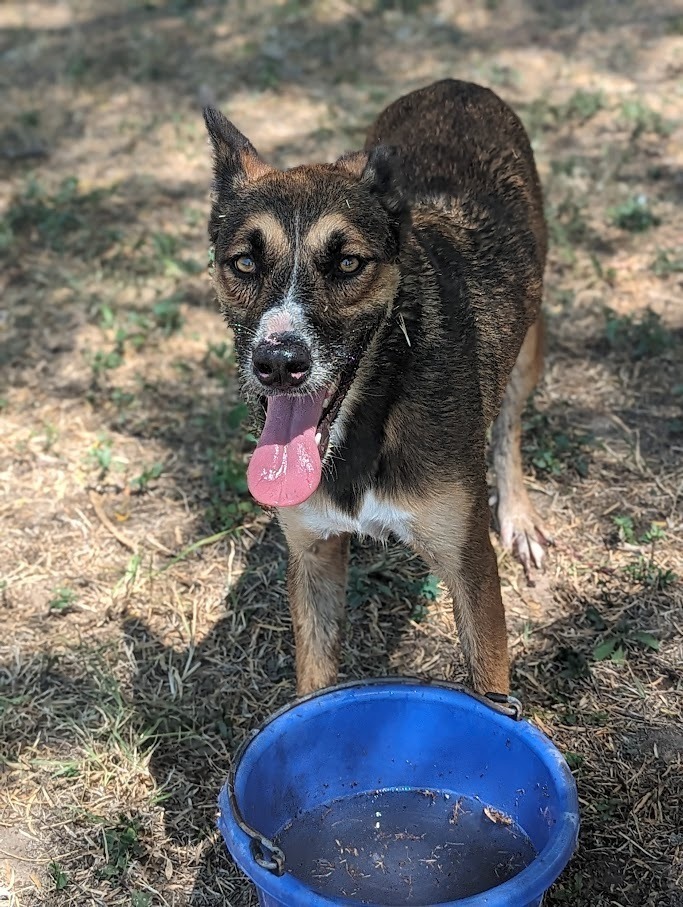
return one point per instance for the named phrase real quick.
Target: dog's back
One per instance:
(467, 170)
(460, 141)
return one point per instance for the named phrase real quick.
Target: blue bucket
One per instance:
(351, 767)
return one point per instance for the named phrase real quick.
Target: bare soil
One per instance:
(145, 628)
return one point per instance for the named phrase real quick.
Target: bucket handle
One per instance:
(265, 852)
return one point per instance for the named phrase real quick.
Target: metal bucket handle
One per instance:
(265, 852)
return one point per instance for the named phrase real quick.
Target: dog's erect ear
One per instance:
(378, 169)
(235, 160)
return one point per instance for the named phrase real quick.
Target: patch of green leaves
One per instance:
(62, 600)
(166, 248)
(567, 224)
(140, 899)
(644, 571)
(554, 450)
(668, 261)
(634, 215)
(121, 846)
(106, 361)
(149, 474)
(640, 336)
(57, 218)
(582, 105)
(643, 119)
(167, 315)
(615, 647)
(100, 455)
(647, 573)
(229, 502)
(58, 876)
(625, 528)
(378, 579)
(426, 592)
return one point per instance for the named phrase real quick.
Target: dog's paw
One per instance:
(523, 534)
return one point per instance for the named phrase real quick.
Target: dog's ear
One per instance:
(235, 160)
(378, 170)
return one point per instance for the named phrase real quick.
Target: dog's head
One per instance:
(306, 270)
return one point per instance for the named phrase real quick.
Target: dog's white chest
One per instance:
(376, 518)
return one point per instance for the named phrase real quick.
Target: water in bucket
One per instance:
(404, 846)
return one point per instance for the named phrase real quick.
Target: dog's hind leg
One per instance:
(452, 534)
(316, 580)
(521, 531)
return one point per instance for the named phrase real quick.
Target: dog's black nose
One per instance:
(282, 361)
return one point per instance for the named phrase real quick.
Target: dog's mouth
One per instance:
(334, 398)
(286, 467)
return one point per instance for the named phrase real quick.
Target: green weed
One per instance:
(121, 399)
(57, 218)
(566, 166)
(643, 119)
(582, 105)
(645, 572)
(218, 360)
(100, 455)
(229, 501)
(568, 226)
(668, 262)
(574, 760)
(364, 583)
(634, 215)
(505, 76)
(149, 474)
(106, 361)
(140, 899)
(616, 646)
(268, 74)
(625, 529)
(640, 336)
(167, 315)
(607, 274)
(554, 451)
(166, 257)
(62, 600)
(538, 116)
(121, 845)
(59, 877)
(424, 593)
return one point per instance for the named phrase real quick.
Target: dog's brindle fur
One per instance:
(439, 335)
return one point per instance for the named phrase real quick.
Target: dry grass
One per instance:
(142, 594)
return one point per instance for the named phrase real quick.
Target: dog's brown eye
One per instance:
(245, 264)
(349, 264)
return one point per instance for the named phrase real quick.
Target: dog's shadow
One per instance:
(197, 704)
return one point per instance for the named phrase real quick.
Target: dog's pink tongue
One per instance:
(285, 468)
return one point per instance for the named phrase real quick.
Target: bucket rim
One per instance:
(522, 889)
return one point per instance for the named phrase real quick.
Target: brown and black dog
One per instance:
(386, 309)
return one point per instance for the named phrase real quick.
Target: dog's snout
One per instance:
(281, 361)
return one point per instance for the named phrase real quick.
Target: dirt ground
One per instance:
(144, 623)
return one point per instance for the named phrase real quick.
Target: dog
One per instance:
(386, 310)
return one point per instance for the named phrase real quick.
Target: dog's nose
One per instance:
(281, 361)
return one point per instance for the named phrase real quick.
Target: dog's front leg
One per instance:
(453, 534)
(316, 580)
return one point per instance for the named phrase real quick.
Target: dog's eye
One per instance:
(349, 264)
(245, 264)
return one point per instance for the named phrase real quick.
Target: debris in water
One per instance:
(495, 815)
